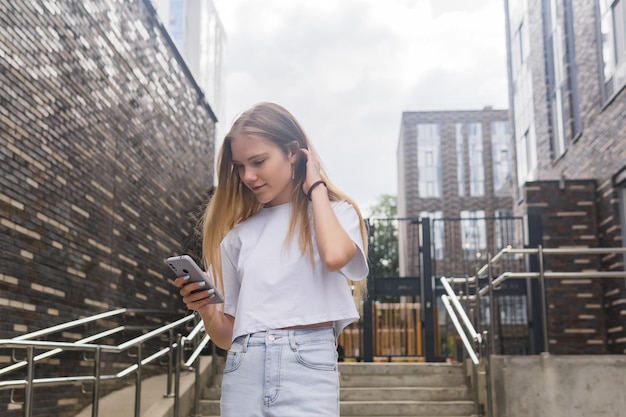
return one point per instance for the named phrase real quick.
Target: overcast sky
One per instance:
(347, 69)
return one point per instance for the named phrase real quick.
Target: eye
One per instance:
(258, 162)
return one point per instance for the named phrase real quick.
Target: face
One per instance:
(264, 168)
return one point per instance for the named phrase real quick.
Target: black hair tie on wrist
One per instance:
(315, 184)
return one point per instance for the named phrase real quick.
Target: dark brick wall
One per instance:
(576, 317)
(106, 153)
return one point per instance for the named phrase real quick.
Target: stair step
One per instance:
(458, 393)
(389, 390)
(362, 368)
(401, 380)
(407, 408)
(380, 408)
(209, 407)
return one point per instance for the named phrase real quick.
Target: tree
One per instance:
(383, 237)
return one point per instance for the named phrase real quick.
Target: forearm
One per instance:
(335, 247)
(218, 326)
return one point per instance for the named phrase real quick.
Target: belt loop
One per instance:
(245, 343)
(292, 339)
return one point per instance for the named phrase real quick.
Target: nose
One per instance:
(247, 175)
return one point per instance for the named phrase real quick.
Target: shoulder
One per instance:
(343, 207)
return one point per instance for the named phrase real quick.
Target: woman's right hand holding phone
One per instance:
(195, 296)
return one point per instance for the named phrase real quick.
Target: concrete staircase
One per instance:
(386, 390)
(404, 389)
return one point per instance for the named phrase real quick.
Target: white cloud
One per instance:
(348, 69)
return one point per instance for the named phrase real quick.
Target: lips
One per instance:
(257, 188)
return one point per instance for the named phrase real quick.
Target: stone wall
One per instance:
(106, 153)
(559, 385)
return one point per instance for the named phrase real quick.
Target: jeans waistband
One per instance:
(286, 337)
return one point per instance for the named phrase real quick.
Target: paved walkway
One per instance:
(121, 403)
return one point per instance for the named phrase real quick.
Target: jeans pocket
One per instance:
(317, 355)
(234, 359)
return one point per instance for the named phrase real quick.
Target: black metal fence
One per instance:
(404, 319)
(461, 246)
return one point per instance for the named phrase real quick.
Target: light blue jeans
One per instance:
(282, 373)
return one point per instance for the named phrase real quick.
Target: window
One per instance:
(473, 233)
(526, 158)
(500, 146)
(477, 169)
(522, 90)
(556, 79)
(460, 159)
(177, 23)
(505, 229)
(512, 309)
(564, 109)
(613, 31)
(429, 160)
(622, 194)
(519, 47)
(436, 232)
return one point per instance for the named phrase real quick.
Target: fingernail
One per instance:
(186, 277)
(201, 283)
(212, 295)
(211, 291)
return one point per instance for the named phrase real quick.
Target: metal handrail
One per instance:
(470, 350)
(455, 301)
(70, 324)
(56, 351)
(584, 274)
(454, 307)
(86, 345)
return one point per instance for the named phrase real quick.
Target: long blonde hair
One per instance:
(233, 202)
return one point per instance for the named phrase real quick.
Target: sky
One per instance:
(347, 69)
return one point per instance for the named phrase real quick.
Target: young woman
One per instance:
(286, 247)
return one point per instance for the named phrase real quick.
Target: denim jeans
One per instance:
(282, 373)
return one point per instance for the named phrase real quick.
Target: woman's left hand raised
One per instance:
(313, 170)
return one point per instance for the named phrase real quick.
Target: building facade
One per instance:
(196, 29)
(567, 73)
(454, 167)
(106, 155)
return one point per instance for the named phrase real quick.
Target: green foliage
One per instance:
(383, 238)
(387, 207)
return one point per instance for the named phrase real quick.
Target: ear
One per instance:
(294, 150)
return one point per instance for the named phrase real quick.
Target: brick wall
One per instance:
(106, 153)
(576, 318)
(610, 235)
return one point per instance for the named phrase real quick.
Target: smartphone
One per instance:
(185, 265)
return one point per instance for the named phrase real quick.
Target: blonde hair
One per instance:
(233, 202)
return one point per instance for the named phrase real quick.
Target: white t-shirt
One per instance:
(271, 284)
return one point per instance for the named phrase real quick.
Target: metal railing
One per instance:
(475, 343)
(174, 349)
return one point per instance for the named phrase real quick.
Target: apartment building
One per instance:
(567, 73)
(197, 31)
(454, 167)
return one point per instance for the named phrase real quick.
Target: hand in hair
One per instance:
(313, 170)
